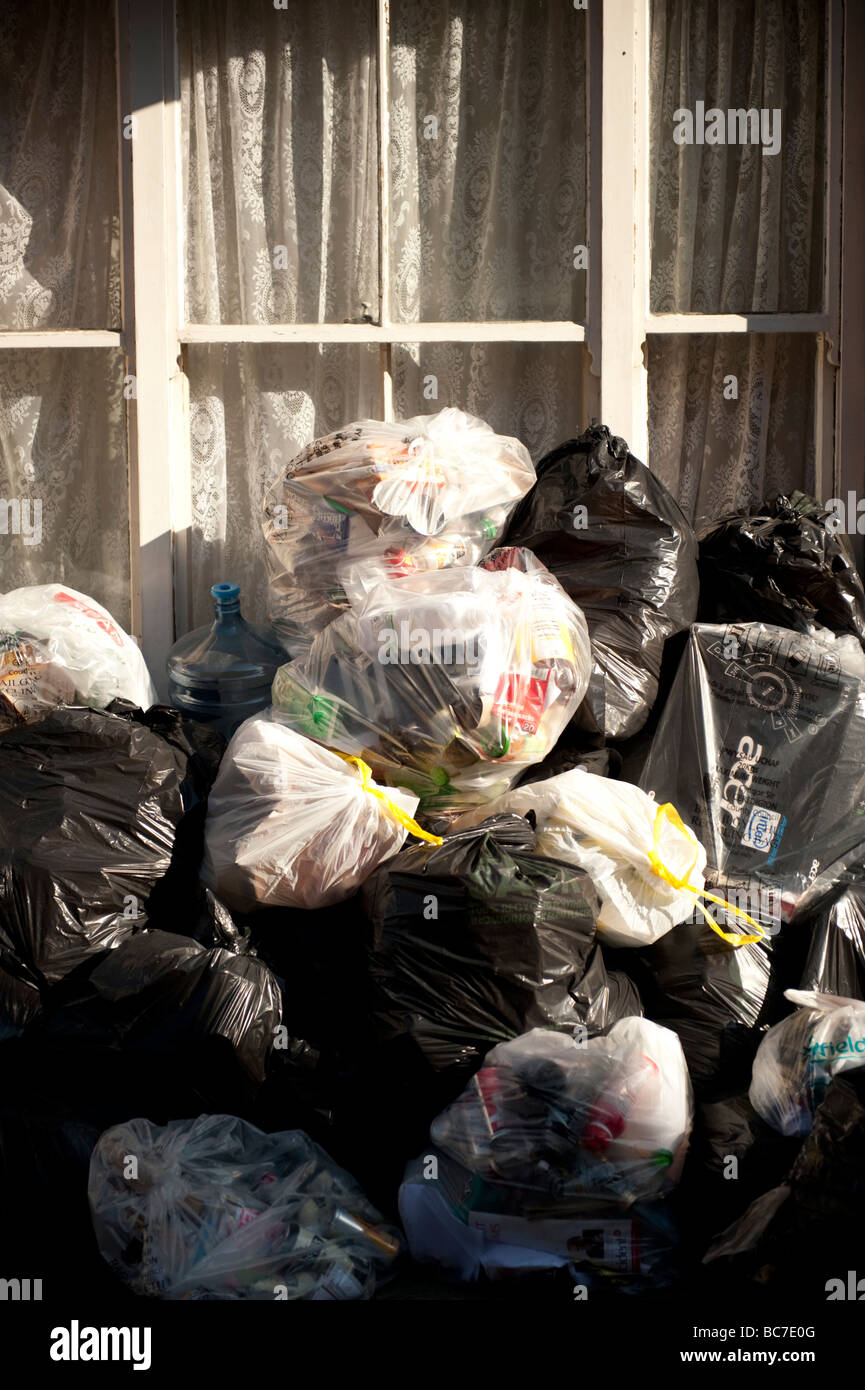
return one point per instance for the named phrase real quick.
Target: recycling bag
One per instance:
(379, 500)
(449, 684)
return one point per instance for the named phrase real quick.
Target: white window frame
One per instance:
(155, 337)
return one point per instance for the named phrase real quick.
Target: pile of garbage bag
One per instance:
(379, 501)
(520, 913)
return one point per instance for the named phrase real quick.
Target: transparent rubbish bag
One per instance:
(59, 647)
(623, 840)
(450, 683)
(576, 1120)
(291, 824)
(388, 499)
(561, 1149)
(798, 1058)
(212, 1208)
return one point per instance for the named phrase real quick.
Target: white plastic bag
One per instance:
(290, 824)
(624, 1109)
(562, 1149)
(798, 1058)
(381, 500)
(58, 646)
(610, 829)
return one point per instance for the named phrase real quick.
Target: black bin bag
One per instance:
(479, 939)
(717, 997)
(761, 749)
(805, 1234)
(90, 807)
(785, 564)
(622, 548)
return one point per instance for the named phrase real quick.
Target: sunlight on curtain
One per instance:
(736, 230)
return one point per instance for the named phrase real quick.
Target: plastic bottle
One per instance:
(222, 674)
(609, 1114)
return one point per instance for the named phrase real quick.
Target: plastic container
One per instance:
(222, 674)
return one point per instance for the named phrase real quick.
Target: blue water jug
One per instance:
(222, 674)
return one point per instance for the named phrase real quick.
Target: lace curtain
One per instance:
(62, 428)
(279, 120)
(736, 231)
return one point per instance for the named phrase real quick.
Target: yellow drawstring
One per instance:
(397, 812)
(669, 812)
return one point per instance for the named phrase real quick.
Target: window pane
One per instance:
(533, 391)
(59, 185)
(737, 228)
(63, 447)
(280, 164)
(731, 418)
(488, 159)
(252, 409)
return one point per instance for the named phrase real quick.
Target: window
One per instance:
(365, 207)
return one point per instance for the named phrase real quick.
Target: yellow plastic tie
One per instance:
(669, 812)
(404, 819)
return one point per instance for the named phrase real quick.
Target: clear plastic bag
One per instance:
(59, 647)
(385, 499)
(606, 1118)
(799, 1057)
(291, 824)
(612, 830)
(559, 1146)
(212, 1208)
(450, 683)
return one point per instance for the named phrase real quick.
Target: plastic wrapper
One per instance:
(450, 684)
(218, 1210)
(481, 939)
(59, 647)
(785, 564)
(811, 1225)
(291, 824)
(761, 747)
(617, 834)
(621, 546)
(382, 500)
(564, 1149)
(89, 809)
(799, 1056)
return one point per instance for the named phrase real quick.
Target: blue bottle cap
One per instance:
(225, 592)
